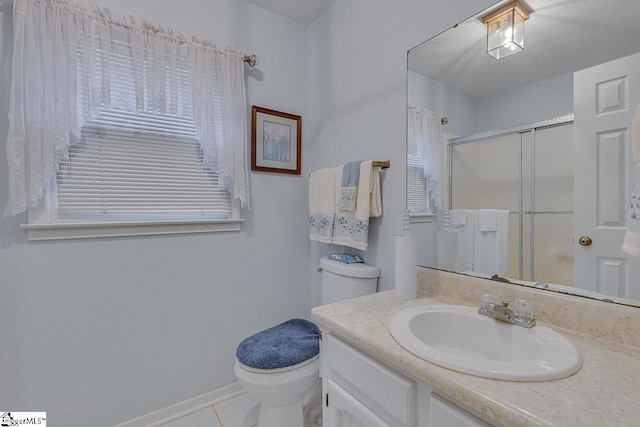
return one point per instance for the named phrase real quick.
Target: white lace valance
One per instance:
(69, 61)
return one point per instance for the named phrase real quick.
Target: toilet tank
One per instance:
(342, 281)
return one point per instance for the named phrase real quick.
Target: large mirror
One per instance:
(531, 172)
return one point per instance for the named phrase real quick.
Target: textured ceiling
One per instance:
(560, 37)
(304, 12)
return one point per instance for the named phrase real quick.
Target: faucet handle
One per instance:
(523, 310)
(488, 299)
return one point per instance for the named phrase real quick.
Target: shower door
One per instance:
(529, 172)
(489, 174)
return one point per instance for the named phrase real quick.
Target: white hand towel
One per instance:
(632, 237)
(635, 135)
(458, 218)
(632, 243)
(488, 220)
(375, 197)
(322, 204)
(352, 228)
(491, 248)
(464, 223)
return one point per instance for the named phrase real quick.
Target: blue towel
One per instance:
(349, 190)
(286, 344)
(351, 174)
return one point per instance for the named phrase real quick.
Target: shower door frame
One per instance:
(521, 130)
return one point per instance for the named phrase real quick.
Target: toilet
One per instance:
(280, 365)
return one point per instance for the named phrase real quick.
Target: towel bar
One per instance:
(383, 164)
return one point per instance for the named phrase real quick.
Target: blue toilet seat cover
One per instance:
(281, 346)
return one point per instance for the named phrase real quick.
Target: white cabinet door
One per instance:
(344, 410)
(605, 97)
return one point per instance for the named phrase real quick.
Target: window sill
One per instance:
(416, 218)
(90, 230)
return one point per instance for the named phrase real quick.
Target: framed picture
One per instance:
(276, 141)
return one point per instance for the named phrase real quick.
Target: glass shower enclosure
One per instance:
(527, 170)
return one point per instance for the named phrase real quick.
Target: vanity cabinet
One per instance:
(359, 391)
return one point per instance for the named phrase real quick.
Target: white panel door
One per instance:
(605, 98)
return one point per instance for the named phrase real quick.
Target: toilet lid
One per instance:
(286, 344)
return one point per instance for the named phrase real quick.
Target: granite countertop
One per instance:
(604, 392)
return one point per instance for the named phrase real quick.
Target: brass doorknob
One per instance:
(585, 241)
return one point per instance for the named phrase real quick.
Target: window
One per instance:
(425, 145)
(417, 189)
(122, 128)
(138, 166)
(134, 173)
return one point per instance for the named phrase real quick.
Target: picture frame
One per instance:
(276, 141)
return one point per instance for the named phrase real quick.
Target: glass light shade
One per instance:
(505, 34)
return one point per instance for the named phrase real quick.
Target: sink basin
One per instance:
(458, 338)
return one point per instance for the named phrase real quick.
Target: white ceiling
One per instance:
(560, 37)
(304, 12)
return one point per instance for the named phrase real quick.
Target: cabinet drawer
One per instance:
(372, 382)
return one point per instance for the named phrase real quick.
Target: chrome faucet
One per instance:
(522, 316)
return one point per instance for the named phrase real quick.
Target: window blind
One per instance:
(139, 164)
(416, 186)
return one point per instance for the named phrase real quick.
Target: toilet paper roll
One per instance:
(406, 263)
(447, 250)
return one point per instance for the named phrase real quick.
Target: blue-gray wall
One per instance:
(96, 332)
(534, 102)
(461, 109)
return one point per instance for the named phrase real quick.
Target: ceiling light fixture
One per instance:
(505, 30)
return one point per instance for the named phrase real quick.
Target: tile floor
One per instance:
(241, 411)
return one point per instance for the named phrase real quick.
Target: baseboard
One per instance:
(186, 407)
